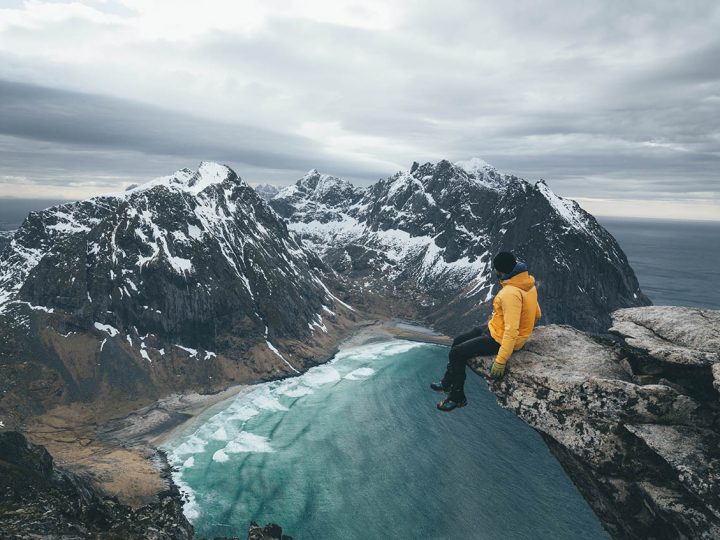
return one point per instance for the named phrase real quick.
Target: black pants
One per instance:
(476, 342)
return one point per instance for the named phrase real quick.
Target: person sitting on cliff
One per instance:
(515, 312)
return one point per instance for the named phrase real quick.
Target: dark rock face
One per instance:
(5, 237)
(271, 531)
(634, 419)
(39, 500)
(191, 280)
(430, 234)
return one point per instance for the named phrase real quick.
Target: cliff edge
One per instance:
(632, 415)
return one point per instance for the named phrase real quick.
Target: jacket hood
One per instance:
(519, 277)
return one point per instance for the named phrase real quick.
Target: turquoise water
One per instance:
(356, 449)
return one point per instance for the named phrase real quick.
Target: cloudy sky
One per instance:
(614, 103)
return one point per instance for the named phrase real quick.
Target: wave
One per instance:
(297, 391)
(191, 509)
(268, 402)
(360, 373)
(193, 445)
(321, 375)
(220, 456)
(242, 413)
(220, 435)
(248, 442)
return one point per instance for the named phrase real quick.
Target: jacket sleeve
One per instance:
(512, 307)
(538, 313)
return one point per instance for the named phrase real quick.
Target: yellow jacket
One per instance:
(515, 311)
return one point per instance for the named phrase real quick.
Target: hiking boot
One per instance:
(438, 387)
(448, 404)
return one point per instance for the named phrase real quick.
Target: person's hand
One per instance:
(497, 370)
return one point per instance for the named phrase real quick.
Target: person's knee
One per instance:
(455, 356)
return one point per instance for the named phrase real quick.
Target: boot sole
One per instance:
(451, 410)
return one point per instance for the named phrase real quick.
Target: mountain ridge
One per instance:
(431, 231)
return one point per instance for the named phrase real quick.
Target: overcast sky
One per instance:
(615, 104)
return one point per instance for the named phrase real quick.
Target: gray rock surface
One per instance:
(677, 335)
(634, 420)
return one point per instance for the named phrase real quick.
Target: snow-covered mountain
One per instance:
(188, 278)
(423, 241)
(266, 191)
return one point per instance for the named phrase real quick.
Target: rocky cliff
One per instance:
(633, 416)
(5, 237)
(420, 244)
(39, 500)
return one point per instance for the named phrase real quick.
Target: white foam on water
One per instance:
(360, 373)
(220, 435)
(248, 442)
(321, 375)
(265, 398)
(220, 456)
(298, 391)
(190, 505)
(243, 413)
(374, 351)
(268, 402)
(194, 445)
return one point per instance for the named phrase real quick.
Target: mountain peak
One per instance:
(321, 184)
(474, 164)
(207, 174)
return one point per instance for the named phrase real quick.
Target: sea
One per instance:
(676, 262)
(356, 449)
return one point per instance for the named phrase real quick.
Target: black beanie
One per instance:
(504, 261)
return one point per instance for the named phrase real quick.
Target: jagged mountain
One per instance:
(266, 191)
(188, 280)
(423, 240)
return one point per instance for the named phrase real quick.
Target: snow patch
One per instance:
(107, 328)
(273, 349)
(192, 352)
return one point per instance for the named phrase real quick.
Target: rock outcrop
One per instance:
(271, 531)
(39, 500)
(633, 416)
(5, 237)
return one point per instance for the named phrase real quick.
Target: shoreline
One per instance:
(123, 450)
(181, 412)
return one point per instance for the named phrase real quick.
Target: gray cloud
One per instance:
(617, 100)
(98, 122)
